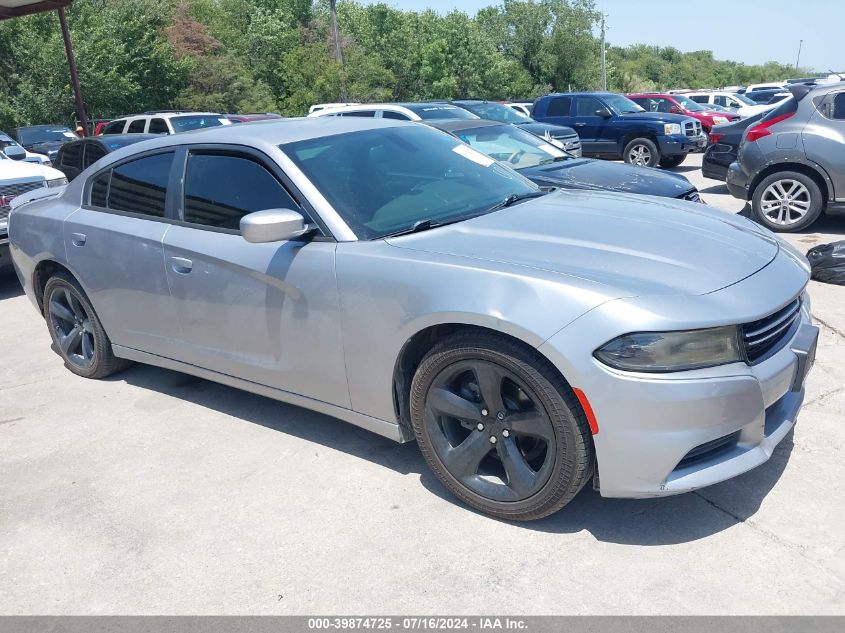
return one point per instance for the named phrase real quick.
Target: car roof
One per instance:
(450, 125)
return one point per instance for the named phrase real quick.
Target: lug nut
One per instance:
(506, 433)
(501, 415)
(493, 439)
(484, 412)
(480, 426)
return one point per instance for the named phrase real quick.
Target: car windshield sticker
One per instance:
(475, 156)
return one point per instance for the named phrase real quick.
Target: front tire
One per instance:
(641, 152)
(668, 162)
(499, 427)
(78, 336)
(787, 201)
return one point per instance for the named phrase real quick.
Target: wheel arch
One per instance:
(635, 134)
(42, 272)
(812, 171)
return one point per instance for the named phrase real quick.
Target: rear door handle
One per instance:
(78, 239)
(181, 265)
(579, 125)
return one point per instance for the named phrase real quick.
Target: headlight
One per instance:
(57, 182)
(718, 120)
(672, 351)
(671, 128)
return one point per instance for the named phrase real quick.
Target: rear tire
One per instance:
(499, 427)
(78, 336)
(668, 162)
(642, 152)
(787, 201)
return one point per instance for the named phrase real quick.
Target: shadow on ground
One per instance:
(9, 285)
(662, 521)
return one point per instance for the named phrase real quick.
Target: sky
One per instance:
(749, 31)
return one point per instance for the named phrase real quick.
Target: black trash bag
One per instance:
(828, 262)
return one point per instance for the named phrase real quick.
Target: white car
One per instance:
(16, 178)
(165, 122)
(523, 107)
(399, 111)
(328, 106)
(740, 104)
(766, 86)
(7, 141)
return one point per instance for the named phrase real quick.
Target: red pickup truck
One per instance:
(679, 104)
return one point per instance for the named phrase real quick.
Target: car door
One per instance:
(267, 313)
(590, 126)
(114, 246)
(824, 137)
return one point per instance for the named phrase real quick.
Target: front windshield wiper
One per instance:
(422, 225)
(514, 198)
(556, 159)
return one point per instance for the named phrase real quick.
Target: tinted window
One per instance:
(390, 114)
(367, 114)
(71, 155)
(587, 106)
(428, 111)
(496, 112)
(115, 127)
(839, 106)
(158, 126)
(702, 99)
(93, 153)
(560, 106)
(387, 179)
(30, 136)
(194, 122)
(137, 126)
(100, 189)
(220, 190)
(140, 186)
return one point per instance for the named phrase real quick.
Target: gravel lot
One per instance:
(158, 493)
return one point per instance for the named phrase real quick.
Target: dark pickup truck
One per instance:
(612, 126)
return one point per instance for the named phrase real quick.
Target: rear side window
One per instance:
(115, 127)
(220, 189)
(137, 126)
(71, 155)
(390, 114)
(700, 98)
(140, 186)
(560, 106)
(839, 106)
(93, 153)
(158, 126)
(368, 114)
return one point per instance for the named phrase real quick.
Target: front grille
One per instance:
(10, 192)
(570, 143)
(766, 336)
(692, 128)
(710, 449)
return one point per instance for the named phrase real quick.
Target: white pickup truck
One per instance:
(16, 178)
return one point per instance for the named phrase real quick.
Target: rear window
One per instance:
(115, 127)
(195, 122)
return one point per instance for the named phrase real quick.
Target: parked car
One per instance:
(547, 166)
(164, 122)
(76, 157)
(386, 274)
(790, 164)
(765, 97)
(523, 107)
(772, 85)
(740, 104)
(17, 177)
(562, 136)
(253, 116)
(328, 106)
(43, 139)
(398, 111)
(612, 126)
(680, 104)
(7, 141)
(723, 147)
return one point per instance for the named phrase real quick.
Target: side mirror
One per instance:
(273, 225)
(604, 113)
(15, 152)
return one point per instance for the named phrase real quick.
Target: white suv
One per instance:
(742, 105)
(164, 122)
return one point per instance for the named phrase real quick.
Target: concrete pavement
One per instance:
(158, 493)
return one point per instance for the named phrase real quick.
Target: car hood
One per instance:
(546, 129)
(599, 174)
(634, 245)
(17, 171)
(655, 117)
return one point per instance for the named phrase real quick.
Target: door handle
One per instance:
(181, 265)
(78, 239)
(579, 125)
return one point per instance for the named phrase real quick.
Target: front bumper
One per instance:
(681, 144)
(664, 434)
(737, 181)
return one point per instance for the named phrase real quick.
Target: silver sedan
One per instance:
(386, 274)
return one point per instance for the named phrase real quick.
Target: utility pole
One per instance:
(337, 50)
(800, 43)
(603, 61)
(74, 75)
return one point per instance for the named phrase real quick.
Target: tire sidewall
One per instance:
(652, 146)
(816, 201)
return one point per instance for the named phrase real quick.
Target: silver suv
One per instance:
(791, 165)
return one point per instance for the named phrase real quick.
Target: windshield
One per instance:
(428, 111)
(386, 180)
(511, 145)
(621, 105)
(744, 99)
(497, 112)
(689, 104)
(30, 136)
(195, 122)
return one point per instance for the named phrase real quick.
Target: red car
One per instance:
(679, 104)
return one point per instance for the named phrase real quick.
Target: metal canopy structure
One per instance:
(17, 8)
